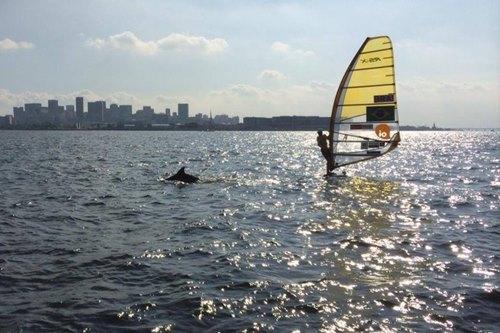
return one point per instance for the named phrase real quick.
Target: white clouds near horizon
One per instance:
(8, 44)
(417, 98)
(287, 50)
(272, 76)
(128, 41)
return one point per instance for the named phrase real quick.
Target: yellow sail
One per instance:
(364, 112)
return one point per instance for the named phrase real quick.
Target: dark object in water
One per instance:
(182, 176)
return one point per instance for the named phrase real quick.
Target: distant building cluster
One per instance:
(99, 115)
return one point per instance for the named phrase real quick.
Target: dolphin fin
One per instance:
(181, 172)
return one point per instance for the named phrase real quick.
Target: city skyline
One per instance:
(121, 117)
(239, 60)
(34, 115)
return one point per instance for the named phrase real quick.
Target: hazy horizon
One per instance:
(251, 58)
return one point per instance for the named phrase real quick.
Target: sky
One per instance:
(250, 58)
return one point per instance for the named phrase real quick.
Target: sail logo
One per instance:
(370, 60)
(383, 98)
(383, 131)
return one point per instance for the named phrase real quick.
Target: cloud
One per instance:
(420, 48)
(420, 101)
(441, 88)
(248, 100)
(9, 45)
(171, 101)
(280, 47)
(240, 90)
(287, 50)
(121, 97)
(188, 43)
(174, 42)
(320, 85)
(271, 75)
(448, 103)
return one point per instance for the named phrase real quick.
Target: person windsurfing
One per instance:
(322, 141)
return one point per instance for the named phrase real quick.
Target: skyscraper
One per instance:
(125, 112)
(19, 115)
(53, 105)
(96, 111)
(114, 112)
(32, 112)
(79, 108)
(183, 111)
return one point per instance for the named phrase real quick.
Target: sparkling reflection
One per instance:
(407, 242)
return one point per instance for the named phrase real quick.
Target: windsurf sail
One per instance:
(364, 123)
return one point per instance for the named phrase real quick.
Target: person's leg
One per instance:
(326, 155)
(330, 161)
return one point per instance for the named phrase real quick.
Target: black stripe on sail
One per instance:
(378, 37)
(358, 122)
(379, 50)
(363, 104)
(371, 85)
(361, 126)
(367, 153)
(367, 68)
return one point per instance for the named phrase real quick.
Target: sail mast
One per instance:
(337, 99)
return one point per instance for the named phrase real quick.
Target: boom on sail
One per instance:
(364, 123)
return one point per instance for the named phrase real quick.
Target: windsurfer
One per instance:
(322, 141)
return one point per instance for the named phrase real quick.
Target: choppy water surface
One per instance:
(92, 239)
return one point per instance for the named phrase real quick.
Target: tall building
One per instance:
(53, 104)
(148, 110)
(114, 112)
(79, 108)
(224, 119)
(146, 114)
(96, 111)
(69, 115)
(32, 107)
(125, 112)
(183, 111)
(19, 115)
(31, 113)
(6, 121)
(167, 112)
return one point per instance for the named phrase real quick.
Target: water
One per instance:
(93, 240)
